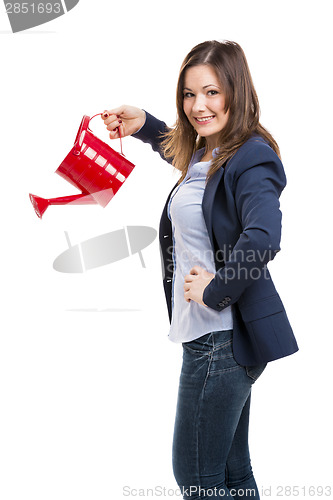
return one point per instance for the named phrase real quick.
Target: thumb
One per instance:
(117, 111)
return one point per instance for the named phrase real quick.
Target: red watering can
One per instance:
(93, 167)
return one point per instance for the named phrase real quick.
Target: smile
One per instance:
(204, 119)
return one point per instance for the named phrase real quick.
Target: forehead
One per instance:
(200, 76)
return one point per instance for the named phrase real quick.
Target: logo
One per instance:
(105, 249)
(25, 15)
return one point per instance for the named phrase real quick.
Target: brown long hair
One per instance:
(229, 63)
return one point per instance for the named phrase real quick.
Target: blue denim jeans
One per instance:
(210, 447)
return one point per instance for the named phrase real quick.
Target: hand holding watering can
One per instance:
(92, 165)
(123, 121)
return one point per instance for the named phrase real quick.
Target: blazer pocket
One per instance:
(268, 327)
(262, 308)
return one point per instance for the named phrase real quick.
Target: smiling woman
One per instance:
(220, 226)
(225, 66)
(204, 105)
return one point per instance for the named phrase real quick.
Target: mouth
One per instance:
(204, 119)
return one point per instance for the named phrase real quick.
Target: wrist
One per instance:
(142, 121)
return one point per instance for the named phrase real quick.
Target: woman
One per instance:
(220, 226)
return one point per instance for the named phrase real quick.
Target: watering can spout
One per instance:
(41, 204)
(93, 167)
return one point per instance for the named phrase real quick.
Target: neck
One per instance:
(207, 156)
(210, 145)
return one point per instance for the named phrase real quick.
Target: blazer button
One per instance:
(224, 302)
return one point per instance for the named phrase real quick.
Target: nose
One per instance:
(199, 103)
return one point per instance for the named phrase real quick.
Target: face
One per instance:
(204, 103)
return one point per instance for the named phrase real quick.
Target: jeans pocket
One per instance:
(201, 345)
(223, 359)
(254, 372)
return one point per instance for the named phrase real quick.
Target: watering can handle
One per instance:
(84, 126)
(121, 146)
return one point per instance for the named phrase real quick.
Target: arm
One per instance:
(136, 122)
(152, 133)
(257, 180)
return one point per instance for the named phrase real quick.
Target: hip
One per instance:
(211, 355)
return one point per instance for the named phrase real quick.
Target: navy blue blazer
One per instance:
(241, 210)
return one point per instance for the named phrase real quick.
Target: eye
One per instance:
(187, 95)
(212, 92)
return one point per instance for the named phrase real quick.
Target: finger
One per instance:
(113, 124)
(114, 134)
(190, 277)
(110, 119)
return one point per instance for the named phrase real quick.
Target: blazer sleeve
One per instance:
(257, 179)
(152, 133)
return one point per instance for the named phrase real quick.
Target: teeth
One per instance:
(204, 119)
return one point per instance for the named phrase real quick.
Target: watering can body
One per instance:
(93, 167)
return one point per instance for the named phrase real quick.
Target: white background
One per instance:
(88, 376)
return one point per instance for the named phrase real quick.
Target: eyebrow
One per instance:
(210, 85)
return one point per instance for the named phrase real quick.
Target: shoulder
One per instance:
(255, 152)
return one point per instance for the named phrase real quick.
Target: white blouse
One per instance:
(191, 247)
